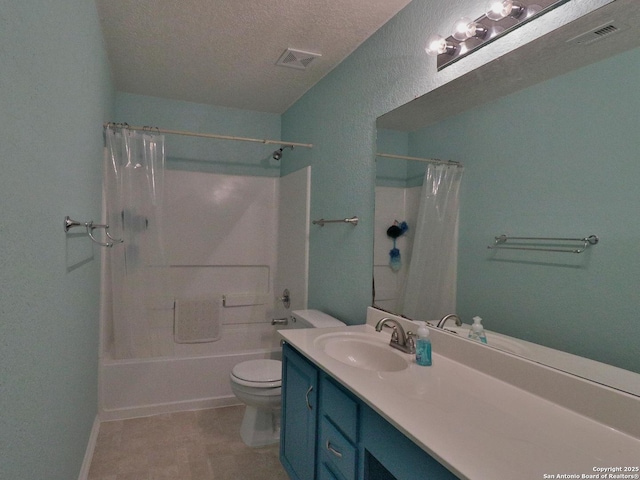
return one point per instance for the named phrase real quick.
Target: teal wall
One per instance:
(559, 159)
(338, 116)
(55, 93)
(203, 154)
(392, 172)
(396, 172)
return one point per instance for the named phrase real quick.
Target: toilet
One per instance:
(257, 383)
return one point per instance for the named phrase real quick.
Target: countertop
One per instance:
(476, 425)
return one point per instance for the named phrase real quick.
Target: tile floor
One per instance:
(197, 445)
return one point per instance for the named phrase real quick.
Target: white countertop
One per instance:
(476, 425)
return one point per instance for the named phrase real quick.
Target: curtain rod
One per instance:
(420, 159)
(207, 135)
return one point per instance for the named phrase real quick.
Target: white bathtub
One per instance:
(141, 387)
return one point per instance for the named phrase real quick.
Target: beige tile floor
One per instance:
(198, 445)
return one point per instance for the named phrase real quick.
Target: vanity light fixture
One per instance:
(468, 35)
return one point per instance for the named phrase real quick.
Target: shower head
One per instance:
(277, 155)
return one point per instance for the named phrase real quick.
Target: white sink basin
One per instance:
(363, 351)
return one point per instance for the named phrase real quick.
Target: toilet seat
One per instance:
(258, 373)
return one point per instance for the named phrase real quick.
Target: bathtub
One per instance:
(142, 387)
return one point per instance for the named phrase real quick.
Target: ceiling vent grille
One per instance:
(296, 59)
(598, 33)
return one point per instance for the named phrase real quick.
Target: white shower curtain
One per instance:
(134, 182)
(430, 288)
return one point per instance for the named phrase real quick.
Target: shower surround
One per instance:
(221, 239)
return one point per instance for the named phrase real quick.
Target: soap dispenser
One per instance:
(477, 331)
(423, 346)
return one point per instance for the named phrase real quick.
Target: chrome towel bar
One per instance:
(502, 239)
(353, 221)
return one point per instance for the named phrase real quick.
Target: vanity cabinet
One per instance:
(330, 434)
(298, 427)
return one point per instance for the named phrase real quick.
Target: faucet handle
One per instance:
(394, 334)
(411, 343)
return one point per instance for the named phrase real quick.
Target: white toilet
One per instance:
(258, 384)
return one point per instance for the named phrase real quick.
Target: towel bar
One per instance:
(502, 239)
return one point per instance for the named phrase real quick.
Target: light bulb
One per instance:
(466, 28)
(437, 45)
(461, 29)
(499, 9)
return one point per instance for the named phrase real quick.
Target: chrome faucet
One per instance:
(399, 339)
(444, 319)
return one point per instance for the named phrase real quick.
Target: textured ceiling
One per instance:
(223, 52)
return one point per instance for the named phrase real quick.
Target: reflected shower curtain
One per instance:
(134, 182)
(430, 288)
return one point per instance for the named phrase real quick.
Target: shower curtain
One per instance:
(133, 183)
(430, 288)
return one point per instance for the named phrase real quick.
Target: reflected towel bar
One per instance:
(502, 239)
(353, 221)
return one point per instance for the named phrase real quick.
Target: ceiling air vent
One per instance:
(296, 59)
(597, 33)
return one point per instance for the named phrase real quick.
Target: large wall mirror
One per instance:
(549, 137)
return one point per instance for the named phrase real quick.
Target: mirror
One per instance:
(548, 136)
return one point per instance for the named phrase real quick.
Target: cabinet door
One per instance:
(299, 415)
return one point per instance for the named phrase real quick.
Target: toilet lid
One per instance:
(259, 371)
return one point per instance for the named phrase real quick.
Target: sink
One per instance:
(363, 351)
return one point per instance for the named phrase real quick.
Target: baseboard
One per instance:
(88, 454)
(158, 409)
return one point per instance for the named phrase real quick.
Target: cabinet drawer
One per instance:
(338, 406)
(335, 449)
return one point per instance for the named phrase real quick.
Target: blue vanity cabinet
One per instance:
(353, 441)
(298, 428)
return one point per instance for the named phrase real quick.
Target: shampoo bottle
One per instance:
(423, 346)
(477, 331)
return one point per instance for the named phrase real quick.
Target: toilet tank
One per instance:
(313, 319)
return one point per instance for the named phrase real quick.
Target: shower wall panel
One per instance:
(220, 235)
